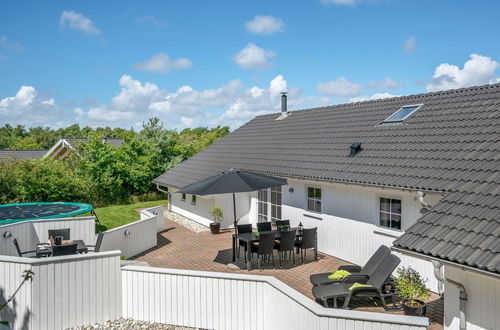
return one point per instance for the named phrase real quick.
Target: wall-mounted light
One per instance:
(127, 232)
(7, 234)
(290, 189)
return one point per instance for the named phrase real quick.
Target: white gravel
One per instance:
(185, 222)
(129, 324)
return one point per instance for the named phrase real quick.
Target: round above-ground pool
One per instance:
(10, 213)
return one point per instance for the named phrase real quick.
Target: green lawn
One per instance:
(118, 215)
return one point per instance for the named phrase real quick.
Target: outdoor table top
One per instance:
(252, 237)
(42, 251)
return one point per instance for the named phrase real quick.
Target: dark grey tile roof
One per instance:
(451, 144)
(21, 154)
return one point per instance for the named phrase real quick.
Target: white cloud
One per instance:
(253, 57)
(342, 87)
(341, 2)
(478, 70)
(265, 25)
(376, 96)
(387, 83)
(410, 44)
(10, 45)
(150, 20)
(76, 21)
(162, 63)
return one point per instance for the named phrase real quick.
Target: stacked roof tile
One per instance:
(450, 145)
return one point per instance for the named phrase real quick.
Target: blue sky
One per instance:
(204, 63)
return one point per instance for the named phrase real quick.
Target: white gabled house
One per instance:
(419, 173)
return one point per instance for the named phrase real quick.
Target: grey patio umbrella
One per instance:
(232, 181)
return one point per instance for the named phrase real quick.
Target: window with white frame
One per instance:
(193, 199)
(390, 213)
(314, 199)
(275, 203)
(262, 205)
(183, 197)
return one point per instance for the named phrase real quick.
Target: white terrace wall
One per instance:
(483, 300)
(133, 238)
(29, 233)
(65, 291)
(238, 301)
(154, 211)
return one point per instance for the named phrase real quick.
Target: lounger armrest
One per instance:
(353, 278)
(365, 289)
(350, 268)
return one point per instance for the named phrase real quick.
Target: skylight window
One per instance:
(402, 113)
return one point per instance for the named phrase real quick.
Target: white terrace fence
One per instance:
(65, 292)
(238, 301)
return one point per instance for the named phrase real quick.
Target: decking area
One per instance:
(181, 248)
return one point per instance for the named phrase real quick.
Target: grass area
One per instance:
(118, 215)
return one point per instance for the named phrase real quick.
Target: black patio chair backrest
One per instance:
(287, 240)
(64, 232)
(383, 271)
(98, 242)
(264, 226)
(18, 249)
(375, 260)
(266, 243)
(244, 228)
(308, 236)
(282, 223)
(64, 250)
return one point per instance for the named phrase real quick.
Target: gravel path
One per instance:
(129, 324)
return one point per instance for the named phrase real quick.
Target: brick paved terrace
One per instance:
(181, 248)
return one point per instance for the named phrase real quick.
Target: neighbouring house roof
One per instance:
(450, 145)
(21, 154)
(61, 148)
(115, 142)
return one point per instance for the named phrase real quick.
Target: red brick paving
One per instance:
(181, 248)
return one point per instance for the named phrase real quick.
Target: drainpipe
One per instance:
(463, 294)
(168, 196)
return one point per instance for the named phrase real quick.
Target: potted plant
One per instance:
(216, 213)
(411, 287)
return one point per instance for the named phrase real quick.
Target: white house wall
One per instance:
(483, 300)
(199, 212)
(246, 208)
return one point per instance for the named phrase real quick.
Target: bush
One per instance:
(411, 286)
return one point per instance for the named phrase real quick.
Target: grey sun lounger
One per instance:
(357, 272)
(377, 282)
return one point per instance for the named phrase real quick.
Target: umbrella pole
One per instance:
(235, 231)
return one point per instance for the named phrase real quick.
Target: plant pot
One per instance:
(214, 227)
(415, 310)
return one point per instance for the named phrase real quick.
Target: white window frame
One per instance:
(314, 199)
(264, 205)
(278, 191)
(388, 120)
(379, 200)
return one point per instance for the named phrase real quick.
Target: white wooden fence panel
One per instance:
(238, 301)
(156, 211)
(131, 239)
(80, 228)
(25, 234)
(18, 311)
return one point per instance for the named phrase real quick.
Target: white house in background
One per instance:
(420, 172)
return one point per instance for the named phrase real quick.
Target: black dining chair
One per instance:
(18, 249)
(64, 250)
(98, 242)
(264, 247)
(64, 232)
(264, 226)
(280, 223)
(307, 241)
(241, 230)
(286, 244)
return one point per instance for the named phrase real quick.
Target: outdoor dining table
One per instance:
(249, 238)
(43, 251)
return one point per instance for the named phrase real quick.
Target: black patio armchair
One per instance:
(356, 271)
(286, 245)
(64, 232)
(18, 249)
(98, 242)
(264, 226)
(241, 230)
(373, 287)
(264, 247)
(307, 241)
(281, 223)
